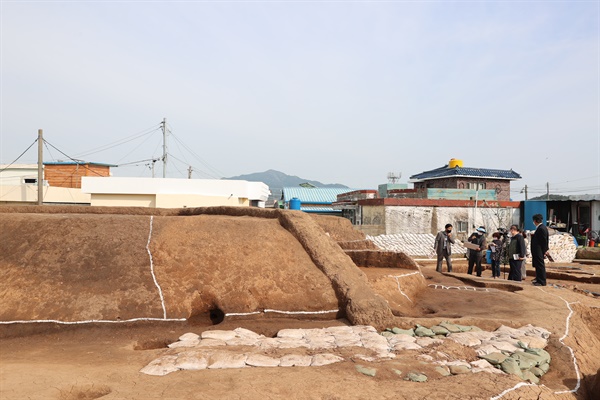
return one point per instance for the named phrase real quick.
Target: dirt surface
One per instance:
(95, 265)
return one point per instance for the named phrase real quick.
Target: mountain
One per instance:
(277, 180)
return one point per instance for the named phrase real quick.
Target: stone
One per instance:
(524, 362)
(423, 331)
(494, 358)
(533, 342)
(476, 329)
(483, 364)
(545, 357)
(459, 369)
(246, 333)
(260, 360)
(291, 333)
(537, 372)
(293, 343)
(425, 357)
(191, 361)
(399, 331)
(544, 367)
(397, 371)
(439, 330)
(465, 338)
(509, 331)
(366, 371)
(189, 336)
(242, 341)
(485, 349)
(375, 342)
(406, 346)
(324, 342)
(531, 330)
(530, 376)
(505, 346)
(464, 328)
(219, 335)
(336, 330)
(427, 341)
(452, 328)
(510, 366)
(348, 340)
(212, 343)
(184, 343)
(401, 338)
(295, 360)
(363, 329)
(443, 371)
(325, 359)
(387, 334)
(225, 360)
(161, 366)
(416, 377)
(269, 343)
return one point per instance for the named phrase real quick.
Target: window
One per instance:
(461, 226)
(476, 186)
(30, 180)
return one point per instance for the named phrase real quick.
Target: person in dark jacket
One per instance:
(475, 256)
(443, 247)
(516, 253)
(496, 248)
(539, 249)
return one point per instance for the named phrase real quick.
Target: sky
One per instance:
(334, 91)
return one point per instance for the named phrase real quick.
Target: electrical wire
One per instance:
(193, 153)
(20, 155)
(119, 142)
(72, 159)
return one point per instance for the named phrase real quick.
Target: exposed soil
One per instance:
(93, 264)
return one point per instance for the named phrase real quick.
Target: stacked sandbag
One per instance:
(413, 244)
(562, 247)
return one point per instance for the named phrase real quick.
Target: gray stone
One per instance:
(476, 329)
(295, 360)
(399, 331)
(530, 376)
(366, 371)
(452, 328)
(510, 366)
(443, 371)
(459, 369)
(465, 338)
(440, 330)
(422, 331)
(465, 328)
(544, 367)
(537, 371)
(397, 371)
(494, 358)
(545, 356)
(260, 360)
(524, 362)
(325, 359)
(387, 334)
(416, 377)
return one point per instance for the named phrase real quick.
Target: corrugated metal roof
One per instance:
(314, 195)
(445, 172)
(78, 163)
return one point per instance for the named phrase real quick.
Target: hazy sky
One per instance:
(332, 91)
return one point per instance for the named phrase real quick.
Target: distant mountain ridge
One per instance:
(277, 180)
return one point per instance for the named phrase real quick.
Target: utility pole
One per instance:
(164, 157)
(190, 172)
(547, 190)
(525, 192)
(40, 180)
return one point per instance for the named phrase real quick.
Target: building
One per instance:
(173, 193)
(68, 174)
(314, 199)
(455, 176)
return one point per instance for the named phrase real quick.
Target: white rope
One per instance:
(397, 278)
(91, 321)
(267, 310)
(518, 385)
(162, 299)
(242, 313)
(471, 288)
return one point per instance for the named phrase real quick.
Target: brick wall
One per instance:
(502, 187)
(69, 175)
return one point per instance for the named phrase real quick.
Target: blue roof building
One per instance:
(455, 176)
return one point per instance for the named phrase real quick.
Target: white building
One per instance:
(173, 193)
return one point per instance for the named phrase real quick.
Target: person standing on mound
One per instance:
(539, 249)
(443, 247)
(475, 256)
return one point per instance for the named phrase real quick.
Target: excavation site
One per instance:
(250, 303)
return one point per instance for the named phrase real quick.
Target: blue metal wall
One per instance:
(530, 208)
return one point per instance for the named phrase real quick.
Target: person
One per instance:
(516, 254)
(496, 248)
(539, 249)
(443, 247)
(475, 255)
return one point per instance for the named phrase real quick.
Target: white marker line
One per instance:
(242, 313)
(396, 277)
(301, 312)
(162, 299)
(91, 321)
(471, 288)
(571, 312)
(518, 385)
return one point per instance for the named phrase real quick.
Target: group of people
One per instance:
(515, 251)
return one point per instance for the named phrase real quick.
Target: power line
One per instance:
(71, 158)
(119, 142)
(214, 170)
(21, 155)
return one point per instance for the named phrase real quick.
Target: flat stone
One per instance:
(366, 371)
(483, 364)
(533, 342)
(465, 338)
(464, 328)
(375, 343)
(427, 341)
(399, 331)
(423, 331)
(416, 377)
(260, 360)
(531, 330)
(295, 360)
(325, 359)
(505, 346)
(425, 357)
(544, 367)
(321, 343)
(443, 371)
(406, 346)
(348, 340)
(242, 341)
(335, 330)
(535, 359)
(494, 358)
(476, 329)
(401, 338)
(212, 342)
(452, 328)
(509, 331)
(184, 343)
(439, 330)
(537, 372)
(363, 329)
(543, 354)
(484, 349)
(161, 366)
(291, 343)
(530, 376)
(219, 335)
(225, 360)
(387, 334)
(291, 333)
(189, 336)
(246, 333)
(397, 371)
(191, 361)
(510, 366)
(459, 369)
